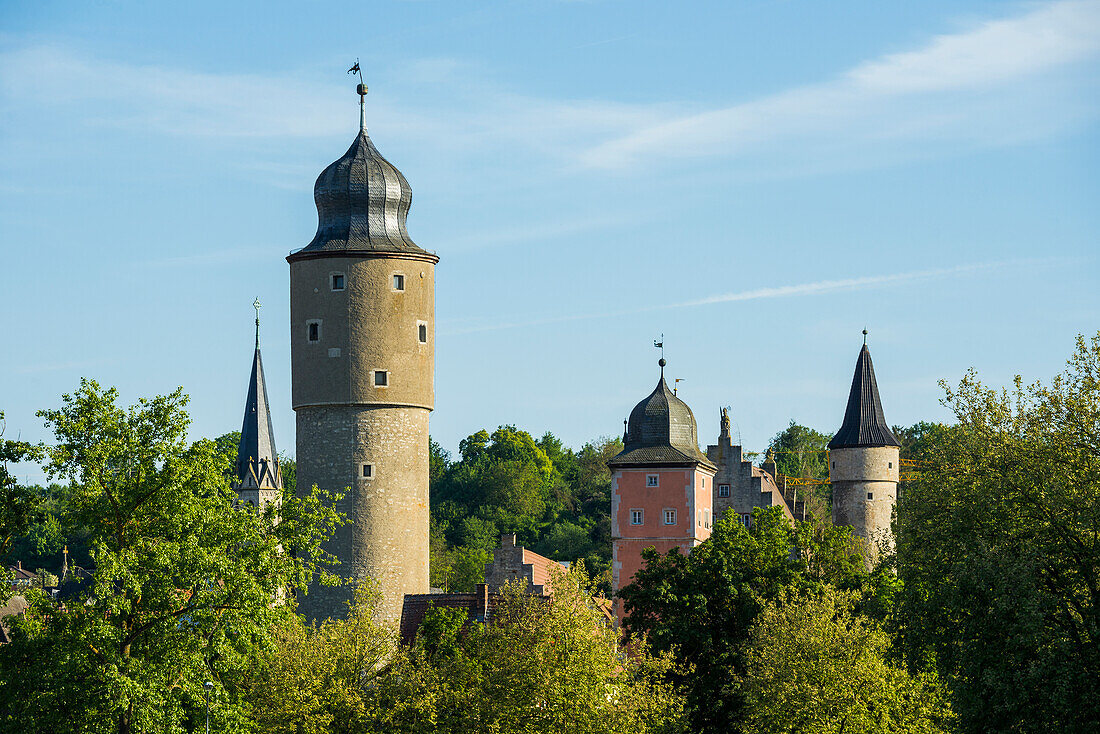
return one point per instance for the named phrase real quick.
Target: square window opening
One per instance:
(670, 517)
(636, 517)
(368, 471)
(398, 282)
(337, 281)
(723, 490)
(381, 378)
(651, 480)
(870, 495)
(889, 465)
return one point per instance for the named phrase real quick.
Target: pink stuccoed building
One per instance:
(661, 485)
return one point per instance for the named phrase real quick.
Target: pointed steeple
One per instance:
(257, 458)
(864, 423)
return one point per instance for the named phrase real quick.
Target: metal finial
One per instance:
(864, 337)
(256, 305)
(361, 88)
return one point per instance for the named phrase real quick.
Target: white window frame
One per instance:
(637, 516)
(746, 519)
(320, 333)
(871, 495)
(725, 488)
(653, 480)
(385, 376)
(332, 281)
(670, 516)
(393, 282)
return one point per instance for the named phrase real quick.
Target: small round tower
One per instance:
(362, 307)
(864, 462)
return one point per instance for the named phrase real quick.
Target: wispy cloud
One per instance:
(980, 84)
(997, 82)
(821, 287)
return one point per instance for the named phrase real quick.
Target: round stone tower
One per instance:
(863, 462)
(362, 307)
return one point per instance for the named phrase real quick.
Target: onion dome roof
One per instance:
(661, 430)
(362, 202)
(864, 422)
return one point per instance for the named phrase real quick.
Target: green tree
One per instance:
(185, 586)
(535, 667)
(999, 553)
(800, 451)
(814, 665)
(701, 606)
(313, 679)
(20, 507)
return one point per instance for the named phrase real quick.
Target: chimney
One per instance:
(508, 540)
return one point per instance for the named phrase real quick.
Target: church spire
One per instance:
(257, 458)
(864, 422)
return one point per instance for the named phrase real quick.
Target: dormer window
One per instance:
(398, 282)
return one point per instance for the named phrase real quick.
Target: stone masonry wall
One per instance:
(865, 488)
(386, 537)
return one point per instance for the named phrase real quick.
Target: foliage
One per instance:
(800, 452)
(999, 551)
(185, 586)
(555, 499)
(20, 507)
(814, 665)
(313, 680)
(537, 666)
(701, 607)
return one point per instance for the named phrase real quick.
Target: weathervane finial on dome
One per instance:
(660, 344)
(864, 337)
(361, 88)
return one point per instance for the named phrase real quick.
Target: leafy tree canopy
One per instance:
(185, 585)
(701, 607)
(999, 552)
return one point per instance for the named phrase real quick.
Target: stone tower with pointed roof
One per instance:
(864, 461)
(362, 307)
(259, 478)
(661, 485)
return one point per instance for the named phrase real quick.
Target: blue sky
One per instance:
(758, 181)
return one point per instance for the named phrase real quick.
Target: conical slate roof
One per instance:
(257, 459)
(661, 430)
(362, 202)
(864, 423)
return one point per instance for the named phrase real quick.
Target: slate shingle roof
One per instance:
(362, 202)
(257, 459)
(864, 423)
(661, 430)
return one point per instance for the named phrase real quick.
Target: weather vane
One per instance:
(864, 337)
(362, 90)
(660, 344)
(256, 305)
